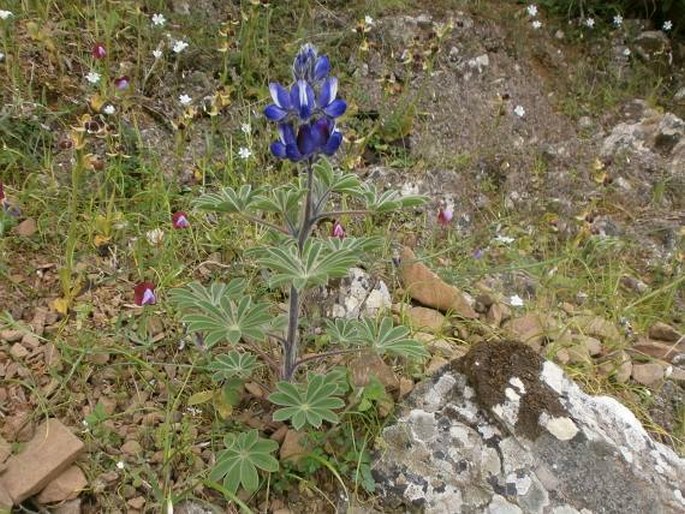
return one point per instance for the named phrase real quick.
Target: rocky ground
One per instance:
(562, 157)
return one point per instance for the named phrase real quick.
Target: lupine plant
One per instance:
(306, 116)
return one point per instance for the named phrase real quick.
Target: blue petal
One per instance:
(274, 113)
(293, 153)
(302, 97)
(321, 131)
(278, 149)
(307, 142)
(333, 143)
(287, 133)
(329, 90)
(280, 95)
(322, 68)
(336, 108)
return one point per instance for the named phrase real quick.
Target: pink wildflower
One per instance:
(338, 230)
(180, 220)
(144, 294)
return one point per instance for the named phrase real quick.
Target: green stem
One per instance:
(307, 223)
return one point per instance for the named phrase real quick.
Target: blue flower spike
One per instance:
(306, 114)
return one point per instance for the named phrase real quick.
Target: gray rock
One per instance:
(504, 431)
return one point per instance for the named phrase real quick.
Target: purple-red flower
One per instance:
(2, 193)
(180, 220)
(98, 51)
(144, 294)
(445, 215)
(337, 230)
(122, 83)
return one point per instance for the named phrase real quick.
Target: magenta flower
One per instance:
(98, 51)
(338, 230)
(2, 193)
(122, 83)
(180, 220)
(144, 294)
(445, 215)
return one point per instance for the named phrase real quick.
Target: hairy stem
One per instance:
(306, 225)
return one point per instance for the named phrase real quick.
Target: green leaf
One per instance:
(221, 312)
(239, 463)
(390, 200)
(310, 403)
(228, 200)
(321, 260)
(384, 338)
(331, 179)
(233, 364)
(285, 201)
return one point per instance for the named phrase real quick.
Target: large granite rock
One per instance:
(503, 431)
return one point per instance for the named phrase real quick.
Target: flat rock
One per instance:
(65, 487)
(504, 431)
(369, 365)
(292, 448)
(131, 448)
(5, 499)
(596, 326)
(619, 367)
(664, 332)
(424, 286)
(51, 451)
(423, 318)
(659, 350)
(533, 328)
(498, 313)
(70, 507)
(26, 228)
(649, 374)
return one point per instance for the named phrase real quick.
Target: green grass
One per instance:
(96, 198)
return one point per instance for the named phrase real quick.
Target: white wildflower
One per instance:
(519, 111)
(155, 236)
(532, 10)
(179, 46)
(121, 464)
(589, 22)
(109, 109)
(157, 54)
(516, 301)
(668, 25)
(246, 128)
(536, 24)
(93, 77)
(244, 153)
(618, 20)
(184, 99)
(158, 20)
(5, 14)
(627, 52)
(505, 240)
(2, 57)
(369, 21)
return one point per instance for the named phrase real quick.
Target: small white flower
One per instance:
(618, 20)
(109, 109)
(158, 20)
(121, 464)
(589, 22)
(246, 128)
(519, 111)
(244, 153)
(157, 54)
(627, 52)
(536, 24)
(179, 46)
(184, 99)
(369, 21)
(516, 301)
(532, 10)
(505, 240)
(155, 236)
(2, 57)
(668, 25)
(93, 77)
(5, 14)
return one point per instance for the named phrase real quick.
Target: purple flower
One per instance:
(337, 230)
(312, 138)
(309, 66)
(98, 51)
(122, 83)
(144, 294)
(445, 215)
(180, 220)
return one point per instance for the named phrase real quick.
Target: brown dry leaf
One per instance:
(60, 305)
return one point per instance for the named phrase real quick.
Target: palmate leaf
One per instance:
(332, 180)
(380, 335)
(233, 364)
(221, 312)
(285, 201)
(238, 464)
(228, 200)
(387, 201)
(310, 403)
(320, 261)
